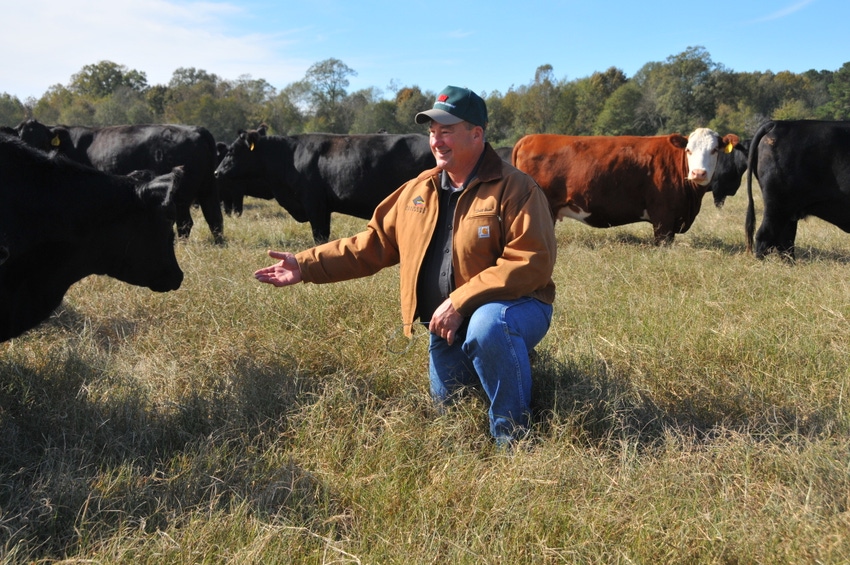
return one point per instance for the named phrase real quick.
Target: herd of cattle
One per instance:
(76, 201)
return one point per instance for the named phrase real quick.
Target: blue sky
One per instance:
(487, 46)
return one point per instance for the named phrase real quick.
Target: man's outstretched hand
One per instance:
(283, 273)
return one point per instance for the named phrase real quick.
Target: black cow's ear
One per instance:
(730, 140)
(160, 190)
(253, 137)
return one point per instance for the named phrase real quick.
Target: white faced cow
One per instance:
(606, 181)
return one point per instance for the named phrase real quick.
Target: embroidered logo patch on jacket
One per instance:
(483, 232)
(416, 205)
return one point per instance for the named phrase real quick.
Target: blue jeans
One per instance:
(491, 348)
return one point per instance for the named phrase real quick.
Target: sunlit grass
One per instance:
(690, 407)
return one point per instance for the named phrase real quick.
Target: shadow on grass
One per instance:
(807, 253)
(601, 407)
(76, 467)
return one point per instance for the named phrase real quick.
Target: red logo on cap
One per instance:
(442, 97)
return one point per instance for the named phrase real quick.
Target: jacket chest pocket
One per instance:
(480, 231)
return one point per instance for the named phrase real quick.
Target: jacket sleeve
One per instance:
(357, 256)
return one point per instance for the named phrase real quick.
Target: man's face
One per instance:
(456, 147)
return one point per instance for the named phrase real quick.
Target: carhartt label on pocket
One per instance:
(483, 232)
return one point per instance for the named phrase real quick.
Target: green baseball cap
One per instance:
(454, 105)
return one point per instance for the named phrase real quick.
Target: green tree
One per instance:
(190, 84)
(124, 106)
(156, 98)
(409, 101)
(50, 108)
(839, 90)
(80, 112)
(739, 119)
(683, 90)
(282, 115)
(105, 78)
(327, 81)
(12, 111)
(499, 129)
(532, 113)
(372, 114)
(621, 114)
(591, 94)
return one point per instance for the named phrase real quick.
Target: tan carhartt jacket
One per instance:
(503, 244)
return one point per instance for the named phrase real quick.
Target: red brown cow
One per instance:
(606, 181)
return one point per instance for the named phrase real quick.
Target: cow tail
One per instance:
(752, 159)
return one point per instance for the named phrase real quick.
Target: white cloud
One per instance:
(51, 41)
(786, 11)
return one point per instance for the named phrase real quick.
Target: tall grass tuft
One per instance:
(690, 406)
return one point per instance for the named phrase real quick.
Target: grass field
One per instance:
(690, 407)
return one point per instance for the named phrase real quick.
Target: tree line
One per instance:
(685, 91)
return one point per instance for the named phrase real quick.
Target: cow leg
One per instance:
(321, 229)
(786, 243)
(231, 198)
(227, 204)
(211, 209)
(663, 235)
(184, 220)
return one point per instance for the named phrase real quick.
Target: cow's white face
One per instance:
(702, 150)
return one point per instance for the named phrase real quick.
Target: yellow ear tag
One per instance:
(251, 147)
(729, 148)
(55, 141)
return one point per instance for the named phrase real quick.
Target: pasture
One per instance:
(690, 407)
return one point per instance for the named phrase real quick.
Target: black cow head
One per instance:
(140, 249)
(241, 160)
(728, 174)
(36, 134)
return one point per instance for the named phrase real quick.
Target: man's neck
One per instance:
(459, 180)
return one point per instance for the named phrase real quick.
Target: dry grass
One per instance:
(690, 408)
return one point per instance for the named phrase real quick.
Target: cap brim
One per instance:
(440, 116)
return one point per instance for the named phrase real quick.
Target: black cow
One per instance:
(233, 192)
(159, 148)
(729, 172)
(803, 168)
(61, 221)
(315, 174)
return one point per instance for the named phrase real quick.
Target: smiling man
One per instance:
(476, 245)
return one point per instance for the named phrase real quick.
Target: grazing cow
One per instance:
(159, 148)
(606, 181)
(315, 174)
(61, 221)
(803, 169)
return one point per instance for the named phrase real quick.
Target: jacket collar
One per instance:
(489, 169)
